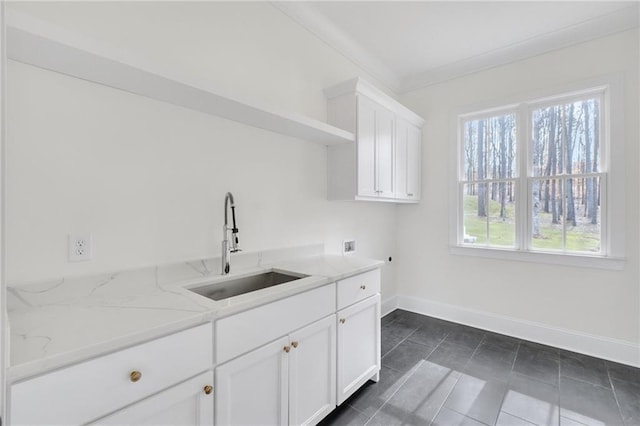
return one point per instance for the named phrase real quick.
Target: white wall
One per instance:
(590, 301)
(146, 178)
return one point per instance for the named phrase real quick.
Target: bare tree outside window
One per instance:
(565, 164)
(563, 177)
(489, 186)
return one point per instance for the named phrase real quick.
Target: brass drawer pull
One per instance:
(294, 344)
(342, 320)
(363, 286)
(287, 348)
(135, 376)
(208, 389)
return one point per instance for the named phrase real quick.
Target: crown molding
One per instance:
(621, 20)
(314, 21)
(323, 28)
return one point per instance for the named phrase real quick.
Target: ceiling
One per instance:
(408, 45)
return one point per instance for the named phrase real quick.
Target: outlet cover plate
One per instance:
(80, 247)
(348, 246)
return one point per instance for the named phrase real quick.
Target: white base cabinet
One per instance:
(187, 404)
(358, 345)
(90, 390)
(289, 381)
(312, 373)
(327, 345)
(253, 389)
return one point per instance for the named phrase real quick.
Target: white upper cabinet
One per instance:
(383, 164)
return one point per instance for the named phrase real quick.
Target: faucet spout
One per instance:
(226, 248)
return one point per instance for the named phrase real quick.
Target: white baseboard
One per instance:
(602, 347)
(389, 305)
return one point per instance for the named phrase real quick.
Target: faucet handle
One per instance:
(235, 250)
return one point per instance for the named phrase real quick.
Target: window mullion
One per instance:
(523, 203)
(565, 207)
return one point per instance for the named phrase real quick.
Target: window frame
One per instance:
(506, 110)
(609, 89)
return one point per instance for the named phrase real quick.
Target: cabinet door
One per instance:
(312, 372)
(366, 147)
(89, 390)
(385, 121)
(414, 162)
(408, 160)
(184, 404)
(402, 157)
(253, 389)
(358, 345)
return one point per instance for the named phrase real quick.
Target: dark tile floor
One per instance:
(441, 373)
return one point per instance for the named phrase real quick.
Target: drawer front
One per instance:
(358, 287)
(243, 332)
(83, 392)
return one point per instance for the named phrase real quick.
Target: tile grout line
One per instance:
(400, 342)
(517, 417)
(464, 415)
(586, 381)
(413, 371)
(513, 364)
(415, 368)
(536, 379)
(472, 354)
(559, 389)
(444, 401)
(615, 395)
(355, 409)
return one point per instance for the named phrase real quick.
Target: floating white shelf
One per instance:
(37, 43)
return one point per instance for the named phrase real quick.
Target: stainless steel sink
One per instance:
(234, 287)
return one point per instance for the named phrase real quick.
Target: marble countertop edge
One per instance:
(143, 305)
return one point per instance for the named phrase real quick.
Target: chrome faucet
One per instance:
(226, 249)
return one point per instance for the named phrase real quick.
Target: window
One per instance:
(566, 176)
(532, 176)
(489, 184)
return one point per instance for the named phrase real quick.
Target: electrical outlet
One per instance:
(80, 247)
(348, 246)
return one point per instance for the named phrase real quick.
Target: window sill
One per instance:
(583, 261)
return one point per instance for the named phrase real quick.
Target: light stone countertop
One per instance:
(57, 323)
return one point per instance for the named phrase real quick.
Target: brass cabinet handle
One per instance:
(294, 344)
(363, 286)
(135, 376)
(342, 320)
(208, 389)
(287, 348)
